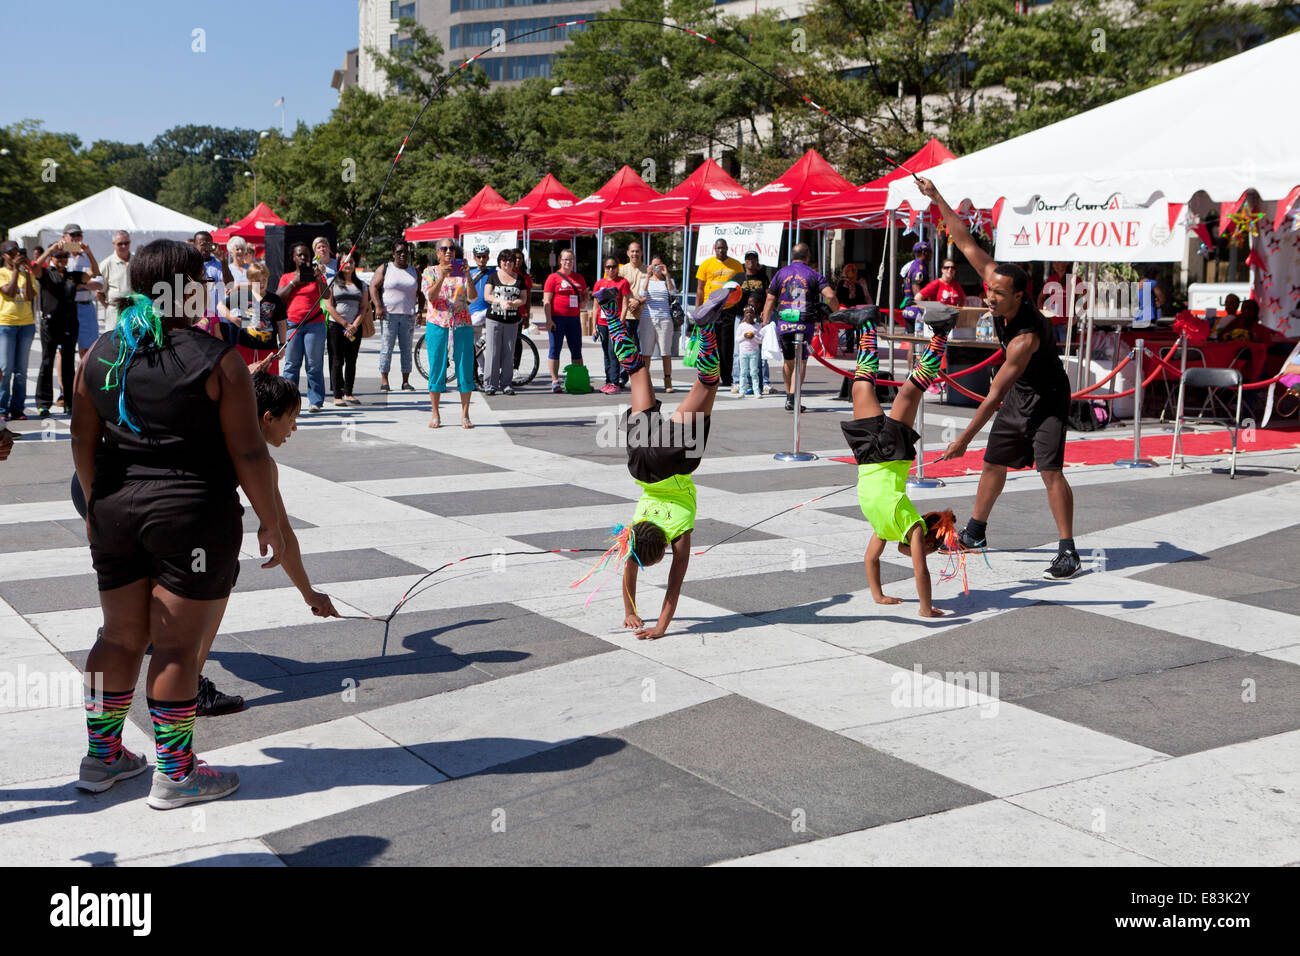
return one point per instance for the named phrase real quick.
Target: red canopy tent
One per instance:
(669, 212)
(252, 227)
(811, 177)
(584, 217)
(864, 207)
(486, 200)
(549, 194)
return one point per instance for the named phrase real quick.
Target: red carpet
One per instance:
(1103, 451)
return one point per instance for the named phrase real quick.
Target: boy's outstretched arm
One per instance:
(320, 603)
(676, 575)
(872, 562)
(916, 539)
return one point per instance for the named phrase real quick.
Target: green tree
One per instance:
(42, 171)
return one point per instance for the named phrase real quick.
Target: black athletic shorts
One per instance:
(659, 448)
(787, 345)
(1029, 429)
(182, 533)
(879, 439)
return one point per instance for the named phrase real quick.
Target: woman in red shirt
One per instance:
(612, 304)
(302, 289)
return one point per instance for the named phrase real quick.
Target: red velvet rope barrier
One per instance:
(1098, 384)
(1245, 385)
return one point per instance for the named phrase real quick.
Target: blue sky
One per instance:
(126, 69)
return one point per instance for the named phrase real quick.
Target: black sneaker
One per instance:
(711, 309)
(968, 541)
(941, 319)
(1066, 565)
(859, 317)
(213, 703)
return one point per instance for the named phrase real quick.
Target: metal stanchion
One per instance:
(796, 454)
(919, 480)
(1137, 461)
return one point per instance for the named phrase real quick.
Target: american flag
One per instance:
(279, 102)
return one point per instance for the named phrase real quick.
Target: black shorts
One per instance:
(879, 439)
(787, 345)
(659, 448)
(1029, 429)
(184, 534)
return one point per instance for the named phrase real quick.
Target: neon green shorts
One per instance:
(882, 495)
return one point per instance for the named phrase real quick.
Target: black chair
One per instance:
(1208, 378)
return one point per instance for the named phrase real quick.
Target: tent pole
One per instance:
(893, 285)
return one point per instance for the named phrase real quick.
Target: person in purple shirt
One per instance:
(916, 274)
(796, 288)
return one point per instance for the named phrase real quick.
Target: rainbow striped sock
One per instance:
(629, 356)
(868, 360)
(927, 369)
(707, 365)
(173, 732)
(104, 719)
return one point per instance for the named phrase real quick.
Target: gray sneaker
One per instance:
(97, 776)
(203, 783)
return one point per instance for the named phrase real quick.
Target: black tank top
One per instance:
(180, 432)
(1045, 375)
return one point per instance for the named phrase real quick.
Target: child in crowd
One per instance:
(885, 446)
(661, 454)
(749, 348)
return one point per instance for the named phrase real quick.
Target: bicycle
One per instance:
(527, 362)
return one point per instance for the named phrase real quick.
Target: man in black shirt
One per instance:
(60, 325)
(1030, 396)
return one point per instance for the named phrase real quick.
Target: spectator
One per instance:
(17, 329)
(504, 291)
(634, 271)
(607, 308)
(712, 274)
(395, 295)
(60, 328)
(1150, 298)
(945, 290)
(323, 257)
(526, 309)
(479, 274)
(657, 327)
(1247, 327)
(796, 289)
(850, 290)
(81, 259)
(193, 419)
(240, 251)
(116, 273)
(302, 290)
(753, 282)
(261, 314)
(1058, 273)
(216, 270)
(916, 274)
(749, 347)
(563, 297)
(448, 327)
(349, 307)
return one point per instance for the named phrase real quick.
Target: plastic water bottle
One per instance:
(984, 328)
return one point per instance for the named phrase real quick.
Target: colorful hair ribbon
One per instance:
(624, 539)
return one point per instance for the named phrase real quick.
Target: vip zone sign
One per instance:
(1079, 231)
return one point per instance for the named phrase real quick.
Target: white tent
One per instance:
(1221, 129)
(103, 214)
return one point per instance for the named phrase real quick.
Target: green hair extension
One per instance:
(138, 325)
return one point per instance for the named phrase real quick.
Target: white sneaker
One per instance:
(203, 783)
(735, 390)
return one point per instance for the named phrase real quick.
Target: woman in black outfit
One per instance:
(348, 306)
(164, 426)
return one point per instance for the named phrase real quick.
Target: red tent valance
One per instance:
(809, 178)
(486, 200)
(584, 216)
